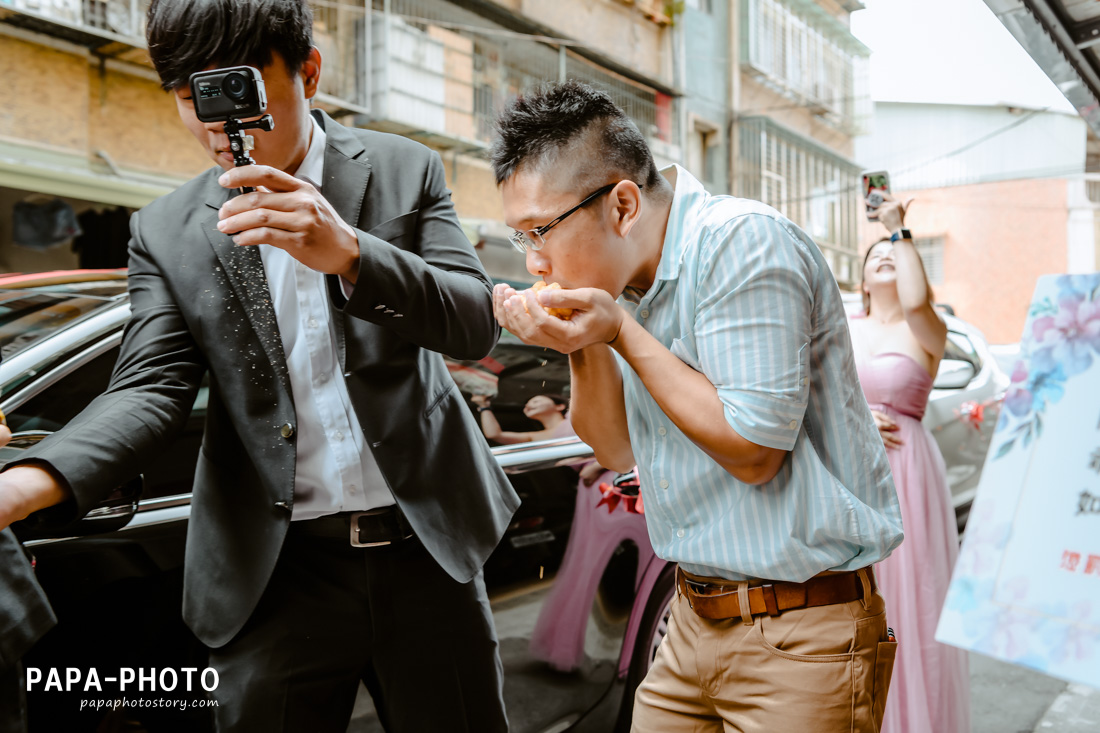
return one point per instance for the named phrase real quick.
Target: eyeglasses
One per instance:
(535, 238)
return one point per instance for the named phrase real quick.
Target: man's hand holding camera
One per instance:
(292, 215)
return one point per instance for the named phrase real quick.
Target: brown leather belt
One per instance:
(716, 598)
(374, 528)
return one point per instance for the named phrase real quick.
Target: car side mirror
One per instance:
(954, 374)
(111, 514)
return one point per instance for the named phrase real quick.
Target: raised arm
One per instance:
(914, 293)
(422, 267)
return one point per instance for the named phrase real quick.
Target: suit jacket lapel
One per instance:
(245, 272)
(347, 171)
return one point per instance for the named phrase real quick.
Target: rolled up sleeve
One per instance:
(752, 328)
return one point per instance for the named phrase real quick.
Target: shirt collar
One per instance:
(689, 196)
(312, 169)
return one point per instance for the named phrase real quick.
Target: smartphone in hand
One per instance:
(875, 183)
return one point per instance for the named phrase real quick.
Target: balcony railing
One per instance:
(116, 28)
(444, 73)
(93, 23)
(796, 49)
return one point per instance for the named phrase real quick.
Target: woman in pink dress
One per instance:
(597, 533)
(899, 341)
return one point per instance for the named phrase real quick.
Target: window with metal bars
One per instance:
(930, 250)
(812, 186)
(801, 52)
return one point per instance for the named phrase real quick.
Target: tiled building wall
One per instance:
(58, 100)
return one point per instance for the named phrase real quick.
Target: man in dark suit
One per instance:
(344, 499)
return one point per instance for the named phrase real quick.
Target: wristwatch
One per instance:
(902, 233)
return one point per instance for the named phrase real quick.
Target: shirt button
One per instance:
(287, 430)
(663, 484)
(804, 380)
(645, 314)
(792, 424)
(339, 436)
(353, 488)
(313, 323)
(662, 431)
(680, 533)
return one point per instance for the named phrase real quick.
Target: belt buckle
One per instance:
(355, 530)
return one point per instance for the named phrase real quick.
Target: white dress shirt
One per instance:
(336, 472)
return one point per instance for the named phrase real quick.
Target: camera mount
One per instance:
(241, 144)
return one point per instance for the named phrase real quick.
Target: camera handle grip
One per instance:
(241, 144)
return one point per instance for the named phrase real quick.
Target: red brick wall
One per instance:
(998, 239)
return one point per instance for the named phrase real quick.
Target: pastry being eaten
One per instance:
(563, 313)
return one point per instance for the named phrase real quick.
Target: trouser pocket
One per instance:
(884, 670)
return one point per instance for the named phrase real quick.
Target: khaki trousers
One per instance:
(812, 670)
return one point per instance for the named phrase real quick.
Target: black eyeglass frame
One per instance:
(522, 240)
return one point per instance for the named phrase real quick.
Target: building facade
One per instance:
(758, 98)
(440, 71)
(799, 99)
(1000, 197)
(87, 121)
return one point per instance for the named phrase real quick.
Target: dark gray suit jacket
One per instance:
(201, 303)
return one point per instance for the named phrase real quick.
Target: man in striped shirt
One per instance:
(709, 346)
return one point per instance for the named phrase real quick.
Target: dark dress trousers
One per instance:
(201, 303)
(25, 615)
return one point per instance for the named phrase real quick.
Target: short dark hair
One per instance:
(552, 119)
(186, 36)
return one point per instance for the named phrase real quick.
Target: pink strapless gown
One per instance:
(930, 690)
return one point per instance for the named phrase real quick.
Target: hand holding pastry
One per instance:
(563, 313)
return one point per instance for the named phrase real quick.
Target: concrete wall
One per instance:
(757, 99)
(473, 187)
(616, 28)
(707, 89)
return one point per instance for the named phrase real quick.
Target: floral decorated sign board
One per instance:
(1026, 588)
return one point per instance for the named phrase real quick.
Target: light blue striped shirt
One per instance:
(745, 297)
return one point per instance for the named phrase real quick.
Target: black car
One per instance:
(578, 597)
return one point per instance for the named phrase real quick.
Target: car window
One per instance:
(59, 403)
(27, 318)
(512, 374)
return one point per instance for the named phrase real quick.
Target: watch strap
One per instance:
(902, 233)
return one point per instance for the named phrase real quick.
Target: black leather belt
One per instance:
(374, 528)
